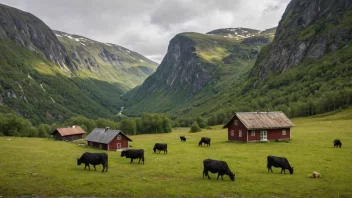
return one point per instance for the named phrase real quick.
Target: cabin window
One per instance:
(283, 132)
(236, 122)
(232, 132)
(100, 146)
(240, 133)
(252, 133)
(118, 137)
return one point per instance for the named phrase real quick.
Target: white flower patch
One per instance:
(58, 35)
(141, 60)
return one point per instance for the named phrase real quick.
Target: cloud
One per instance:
(147, 26)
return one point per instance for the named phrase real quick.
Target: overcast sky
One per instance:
(147, 26)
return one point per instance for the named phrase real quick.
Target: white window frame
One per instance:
(232, 132)
(252, 133)
(118, 145)
(118, 137)
(239, 133)
(235, 122)
(284, 132)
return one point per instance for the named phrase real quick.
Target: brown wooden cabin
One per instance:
(107, 139)
(259, 126)
(68, 134)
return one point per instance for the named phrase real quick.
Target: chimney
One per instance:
(257, 110)
(267, 111)
(107, 128)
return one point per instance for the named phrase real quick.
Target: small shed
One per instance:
(68, 134)
(259, 126)
(107, 139)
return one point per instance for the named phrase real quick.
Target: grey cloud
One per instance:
(147, 26)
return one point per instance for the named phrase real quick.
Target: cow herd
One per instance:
(210, 165)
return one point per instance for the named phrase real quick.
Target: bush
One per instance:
(195, 127)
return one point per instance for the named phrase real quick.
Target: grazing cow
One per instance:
(160, 147)
(337, 143)
(183, 138)
(279, 162)
(215, 166)
(94, 159)
(204, 140)
(134, 154)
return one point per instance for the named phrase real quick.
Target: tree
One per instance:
(195, 127)
(201, 122)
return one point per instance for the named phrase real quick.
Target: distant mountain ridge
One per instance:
(241, 33)
(106, 61)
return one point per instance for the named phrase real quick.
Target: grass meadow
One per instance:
(42, 167)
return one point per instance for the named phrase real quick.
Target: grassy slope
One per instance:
(84, 96)
(46, 167)
(107, 71)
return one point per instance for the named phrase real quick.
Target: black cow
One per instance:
(94, 159)
(183, 138)
(337, 143)
(134, 154)
(279, 162)
(204, 140)
(215, 166)
(160, 147)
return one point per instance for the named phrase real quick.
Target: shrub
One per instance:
(195, 127)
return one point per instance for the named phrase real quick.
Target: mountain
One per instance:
(195, 65)
(30, 32)
(47, 76)
(308, 30)
(306, 70)
(106, 61)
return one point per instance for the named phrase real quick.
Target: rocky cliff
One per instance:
(308, 30)
(28, 31)
(195, 64)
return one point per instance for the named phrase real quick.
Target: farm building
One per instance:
(259, 126)
(107, 139)
(68, 134)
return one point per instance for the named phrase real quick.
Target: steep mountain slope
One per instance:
(308, 30)
(28, 31)
(106, 61)
(46, 80)
(195, 65)
(306, 70)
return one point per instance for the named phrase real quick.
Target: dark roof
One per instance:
(74, 130)
(104, 136)
(262, 120)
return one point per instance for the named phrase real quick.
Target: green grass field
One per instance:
(42, 167)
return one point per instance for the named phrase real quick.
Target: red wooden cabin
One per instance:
(68, 134)
(259, 126)
(107, 139)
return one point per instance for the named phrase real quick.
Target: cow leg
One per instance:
(94, 168)
(139, 160)
(218, 177)
(131, 160)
